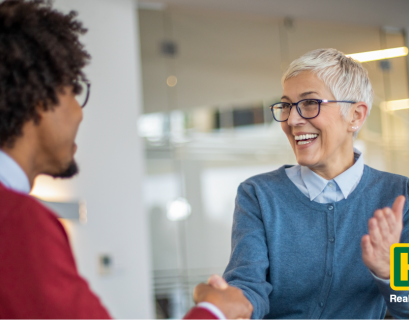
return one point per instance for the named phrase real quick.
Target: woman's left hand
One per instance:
(385, 229)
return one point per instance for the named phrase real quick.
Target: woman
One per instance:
(308, 240)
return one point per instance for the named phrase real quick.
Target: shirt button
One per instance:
(330, 185)
(331, 240)
(330, 207)
(329, 273)
(321, 304)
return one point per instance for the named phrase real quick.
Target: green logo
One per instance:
(400, 266)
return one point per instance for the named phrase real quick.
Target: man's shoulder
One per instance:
(14, 204)
(23, 217)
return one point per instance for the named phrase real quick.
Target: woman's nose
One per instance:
(294, 119)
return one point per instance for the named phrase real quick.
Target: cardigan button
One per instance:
(321, 304)
(330, 207)
(331, 240)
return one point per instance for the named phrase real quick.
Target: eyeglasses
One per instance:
(307, 108)
(82, 91)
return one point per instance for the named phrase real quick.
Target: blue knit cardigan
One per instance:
(295, 258)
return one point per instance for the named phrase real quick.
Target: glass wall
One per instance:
(208, 82)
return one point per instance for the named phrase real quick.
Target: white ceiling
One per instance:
(391, 13)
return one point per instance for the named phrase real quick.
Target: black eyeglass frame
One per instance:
(88, 84)
(299, 111)
(88, 93)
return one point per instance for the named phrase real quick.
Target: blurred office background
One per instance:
(179, 116)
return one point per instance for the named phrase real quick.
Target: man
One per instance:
(42, 92)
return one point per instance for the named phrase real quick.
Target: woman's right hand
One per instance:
(230, 300)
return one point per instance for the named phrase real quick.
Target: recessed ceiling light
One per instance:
(379, 54)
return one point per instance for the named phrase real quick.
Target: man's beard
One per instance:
(71, 171)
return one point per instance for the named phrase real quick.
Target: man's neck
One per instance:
(24, 151)
(23, 160)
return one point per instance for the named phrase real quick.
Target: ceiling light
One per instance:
(379, 54)
(171, 81)
(395, 105)
(178, 209)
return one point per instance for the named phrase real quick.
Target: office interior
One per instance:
(179, 116)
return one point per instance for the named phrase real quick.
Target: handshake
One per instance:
(230, 300)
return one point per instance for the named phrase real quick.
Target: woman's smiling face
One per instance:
(330, 134)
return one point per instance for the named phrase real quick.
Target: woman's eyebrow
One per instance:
(302, 95)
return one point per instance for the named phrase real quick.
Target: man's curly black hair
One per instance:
(39, 54)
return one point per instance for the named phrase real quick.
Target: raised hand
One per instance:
(385, 229)
(230, 300)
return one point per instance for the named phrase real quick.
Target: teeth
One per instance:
(306, 136)
(304, 142)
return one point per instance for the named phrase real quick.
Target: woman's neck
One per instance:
(335, 165)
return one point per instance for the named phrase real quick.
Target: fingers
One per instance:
(200, 291)
(231, 301)
(390, 219)
(217, 282)
(387, 223)
(385, 229)
(382, 222)
(367, 249)
(397, 207)
(374, 231)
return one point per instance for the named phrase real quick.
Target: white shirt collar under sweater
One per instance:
(12, 176)
(325, 191)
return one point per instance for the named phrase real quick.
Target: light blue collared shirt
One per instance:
(12, 176)
(321, 190)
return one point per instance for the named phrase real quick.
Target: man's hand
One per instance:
(230, 300)
(385, 229)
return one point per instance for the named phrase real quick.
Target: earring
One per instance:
(355, 128)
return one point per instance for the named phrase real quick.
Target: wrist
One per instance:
(212, 308)
(382, 275)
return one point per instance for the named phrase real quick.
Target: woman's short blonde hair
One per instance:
(346, 78)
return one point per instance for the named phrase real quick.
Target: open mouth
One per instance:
(305, 138)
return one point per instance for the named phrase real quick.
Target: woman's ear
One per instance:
(357, 118)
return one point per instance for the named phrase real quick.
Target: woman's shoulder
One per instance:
(387, 177)
(270, 177)
(386, 182)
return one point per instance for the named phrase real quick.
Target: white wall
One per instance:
(111, 160)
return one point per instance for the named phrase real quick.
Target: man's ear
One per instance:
(40, 112)
(358, 114)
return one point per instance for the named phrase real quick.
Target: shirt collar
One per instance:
(315, 184)
(12, 176)
(349, 178)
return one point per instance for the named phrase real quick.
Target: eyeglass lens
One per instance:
(307, 109)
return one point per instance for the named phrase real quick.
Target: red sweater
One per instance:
(38, 275)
